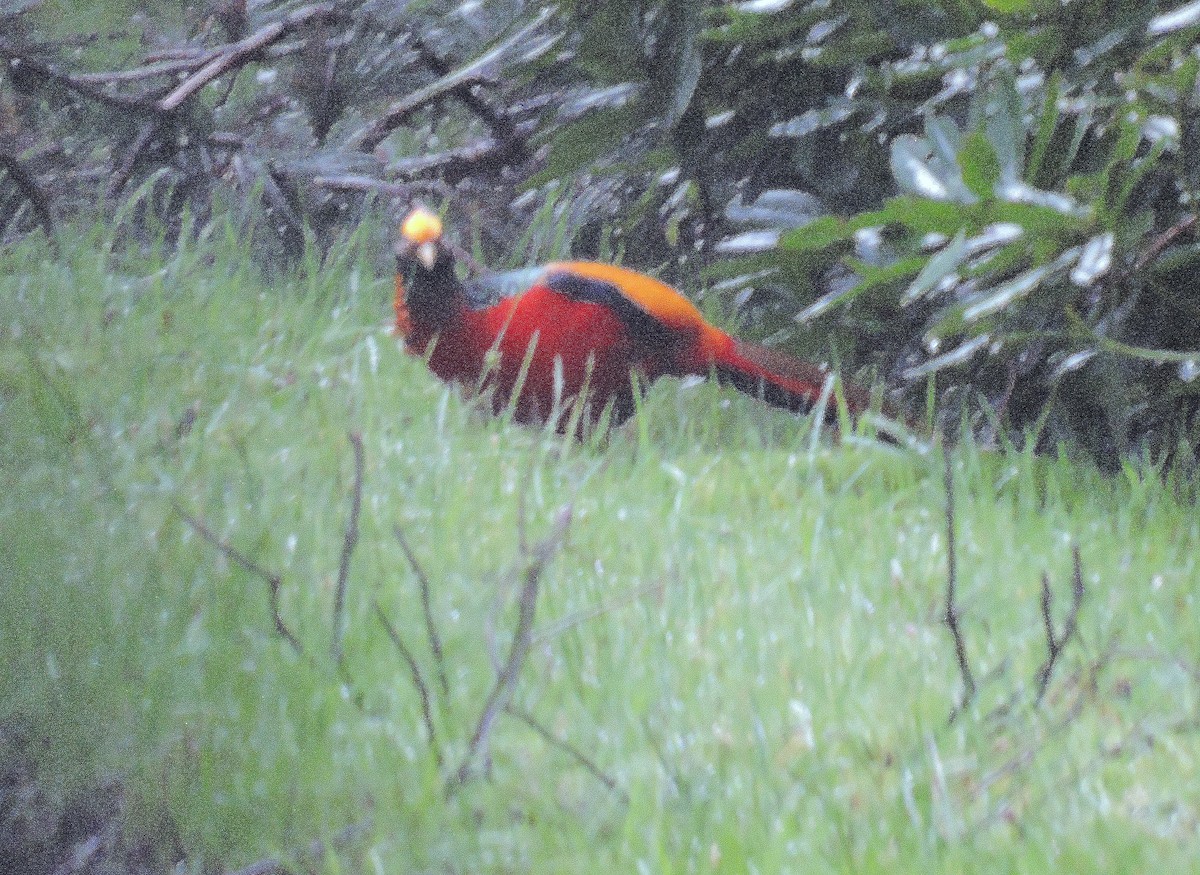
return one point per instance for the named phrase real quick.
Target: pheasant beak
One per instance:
(427, 254)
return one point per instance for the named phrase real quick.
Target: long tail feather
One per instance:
(780, 379)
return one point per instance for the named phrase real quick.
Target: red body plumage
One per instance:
(583, 329)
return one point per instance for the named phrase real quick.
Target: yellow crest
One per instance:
(421, 226)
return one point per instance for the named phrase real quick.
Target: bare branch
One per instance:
(418, 680)
(24, 181)
(951, 615)
(121, 174)
(273, 580)
(457, 164)
(1162, 241)
(243, 52)
(569, 749)
(371, 136)
(506, 680)
(431, 632)
(1055, 643)
(21, 65)
(501, 126)
(348, 543)
(168, 67)
(361, 182)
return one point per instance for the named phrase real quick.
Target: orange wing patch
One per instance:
(653, 296)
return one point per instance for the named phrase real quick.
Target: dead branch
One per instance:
(28, 186)
(168, 67)
(1162, 241)
(567, 748)
(418, 680)
(506, 679)
(273, 580)
(455, 165)
(24, 67)
(243, 52)
(585, 614)
(431, 632)
(951, 615)
(349, 541)
(373, 134)
(1054, 643)
(403, 191)
(120, 176)
(501, 126)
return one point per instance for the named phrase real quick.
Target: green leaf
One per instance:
(818, 234)
(870, 277)
(1005, 293)
(917, 173)
(957, 356)
(1047, 124)
(684, 60)
(1009, 7)
(1005, 130)
(938, 268)
(577, 145)
(920, 215)
(980, 166)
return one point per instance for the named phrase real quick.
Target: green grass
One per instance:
(742, 628)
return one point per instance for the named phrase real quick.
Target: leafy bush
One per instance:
(990, 204)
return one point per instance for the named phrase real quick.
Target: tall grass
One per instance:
(737, 663)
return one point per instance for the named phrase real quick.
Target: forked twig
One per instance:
(501, 693)
(569, 749)
(24, 181)
(273, 580)
(418, 680)
(243, 52)
(1055, 643)
(371, 136)
(349, 541)
(951, 615)
(431, 632)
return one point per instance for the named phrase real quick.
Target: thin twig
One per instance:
(431, 632)
(371, 136)
(454, 165)
(273, 580)
(149, 70)
(501, 693)
(472, 98)
(121, 174)
(243, 52)
(24, 180)
(1162, 241)
(401, 190)
(23, 65)
(348, 543)
(418, 680)
(585, 614)
(569, 749)
(951, 615)
(1054, 643)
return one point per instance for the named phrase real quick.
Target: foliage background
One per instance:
(989, 206)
